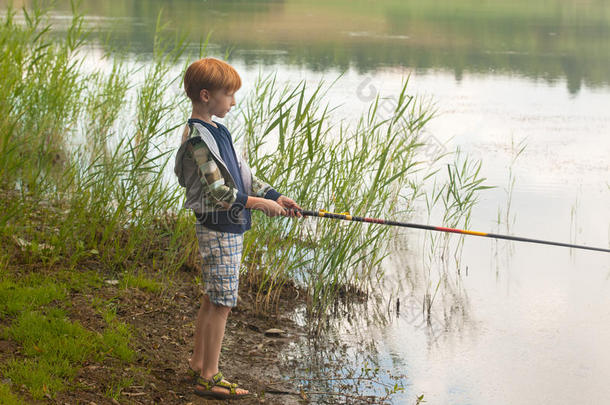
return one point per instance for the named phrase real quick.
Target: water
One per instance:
(521, 323)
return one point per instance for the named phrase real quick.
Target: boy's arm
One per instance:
(213, 182)
(262, 189)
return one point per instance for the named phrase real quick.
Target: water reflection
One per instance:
(534, 323)
(550, 41)
(370, 347)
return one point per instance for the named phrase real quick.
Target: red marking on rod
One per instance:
(449, 230)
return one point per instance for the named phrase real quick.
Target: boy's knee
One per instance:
(221, 309)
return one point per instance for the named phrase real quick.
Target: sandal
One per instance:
(193, 375)
(217, 381)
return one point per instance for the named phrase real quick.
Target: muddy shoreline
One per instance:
(163, 327)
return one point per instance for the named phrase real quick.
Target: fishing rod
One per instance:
(347, 217)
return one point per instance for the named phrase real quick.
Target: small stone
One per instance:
(21, 242)
(274, 332)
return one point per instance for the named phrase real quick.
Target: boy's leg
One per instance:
(213, 334)
(196, 361)
(221, 253)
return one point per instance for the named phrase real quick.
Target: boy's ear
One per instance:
(204, 95)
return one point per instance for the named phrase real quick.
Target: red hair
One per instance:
(211, 74)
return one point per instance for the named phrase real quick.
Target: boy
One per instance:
(221, 190)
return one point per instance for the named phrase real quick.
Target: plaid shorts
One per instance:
(221, 253)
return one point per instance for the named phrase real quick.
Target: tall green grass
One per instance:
(84, 158)
(378, 166)
(452, 201)
(84, 184)
(295, 143)
(81, 180)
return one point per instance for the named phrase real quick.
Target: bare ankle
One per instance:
(208, 375)
(194, 365)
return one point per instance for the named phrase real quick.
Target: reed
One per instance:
(84, 162)
(295, 143)
(81, 187)
(451, 199)
(85, 184)
(79, 178)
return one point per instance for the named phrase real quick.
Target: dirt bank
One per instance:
(163, 326)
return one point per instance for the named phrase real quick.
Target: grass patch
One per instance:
(55, 348)
(141, 281)
(114, 391)
(116, 339)
(117, 335)
(80, 280)
(16, 297)
(52, 336)
(7, 397)
(39, 376)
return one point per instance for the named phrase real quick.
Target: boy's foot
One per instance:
(193, 369)
(193, 372)
(219, 388)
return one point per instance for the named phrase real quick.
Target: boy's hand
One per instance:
(270, 208)
(290, 206)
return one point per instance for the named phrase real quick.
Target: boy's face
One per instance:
(219, 101)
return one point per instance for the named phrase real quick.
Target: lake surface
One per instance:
(519, 323)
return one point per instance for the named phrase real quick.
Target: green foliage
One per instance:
(141, 281)
(7, 397)
(40, 376)
(77, 184)
(292, 141)
(16, 297)
(114, 390)
(55, 347)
